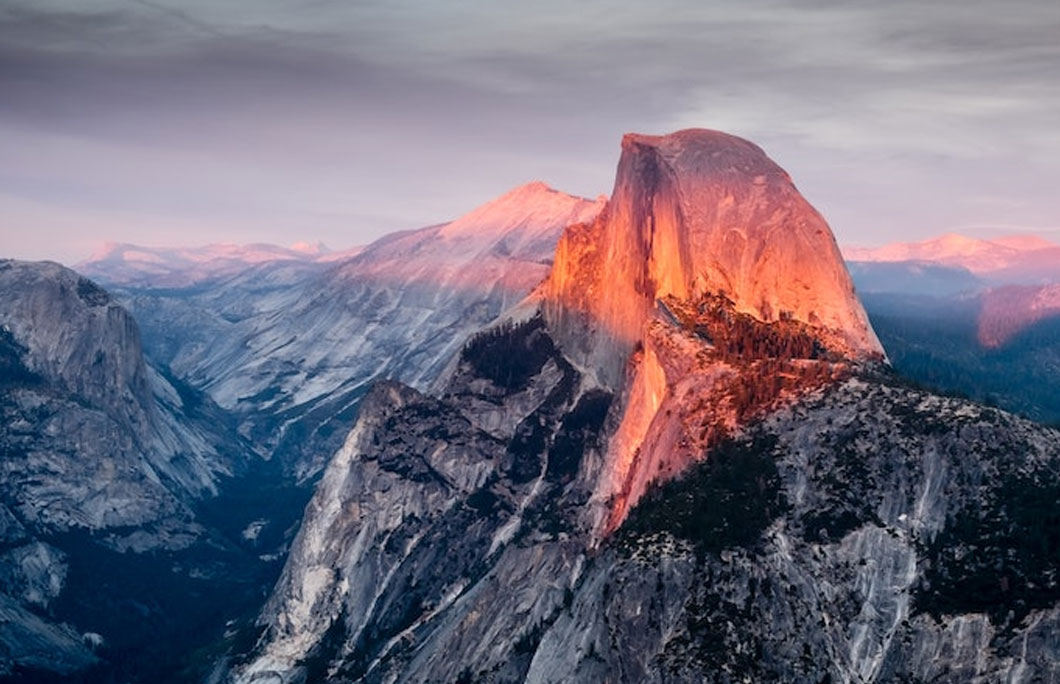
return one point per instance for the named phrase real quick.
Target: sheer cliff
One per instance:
(696, 218)
(692, 213)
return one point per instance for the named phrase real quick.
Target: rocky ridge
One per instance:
(863, 531)
(292, 347)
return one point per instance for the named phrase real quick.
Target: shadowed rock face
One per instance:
(102, 463)
(99, 429)
(868, 534)
(445, 543)
(698, 212)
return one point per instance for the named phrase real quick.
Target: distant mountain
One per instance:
(104, 463)
(960, 320)
(913, 278)
(1008, 311)
(292, 346)
(671, 464)
(119, 264)
(1019, 259)
(936, 341)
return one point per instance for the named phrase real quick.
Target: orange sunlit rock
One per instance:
(696, 214)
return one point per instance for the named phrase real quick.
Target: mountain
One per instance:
(1008, 311)
(868, 533)
(936, 342)
(1015, 259)
(73, 361)
(119, 264)
(105, 461)
(917, 278)
(982, 334)
(754, 496)
(689, 217)
(119, 472)
(706, 227)
(291, 347)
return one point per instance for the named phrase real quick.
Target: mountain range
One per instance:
(671, 464)
(652, 437)
(1010, 259)
(290, 346)
(976, 317)
(120, 264)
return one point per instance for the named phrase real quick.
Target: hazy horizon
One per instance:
(321, 248)
(181, 125)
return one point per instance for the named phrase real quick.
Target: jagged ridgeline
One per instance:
(682, 459)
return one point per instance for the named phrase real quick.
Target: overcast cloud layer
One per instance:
(160, 122)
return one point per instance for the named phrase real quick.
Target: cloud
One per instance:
(893, 117)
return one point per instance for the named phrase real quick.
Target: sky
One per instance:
(160, 122)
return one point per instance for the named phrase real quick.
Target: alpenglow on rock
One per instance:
(698, 212)
(1008, 260)
(698, 220)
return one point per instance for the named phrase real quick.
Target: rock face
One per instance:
(292, 346)
(870, 534)
(100, 455)
(866, 532)
(97, 431)
(755, 498)
(418, 512)
(695, 215)
(692, 213)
